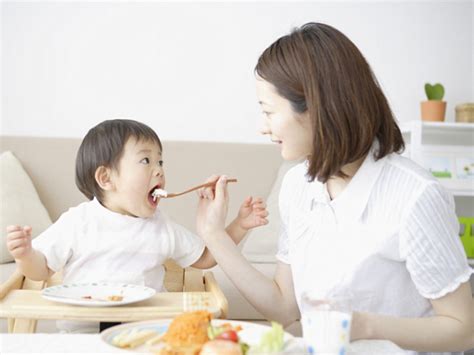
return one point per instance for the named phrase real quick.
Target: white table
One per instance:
(91, 343)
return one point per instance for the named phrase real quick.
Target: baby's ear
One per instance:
(103, 178)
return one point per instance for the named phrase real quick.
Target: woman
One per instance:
(357, 217)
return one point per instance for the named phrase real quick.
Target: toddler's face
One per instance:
(140, 171)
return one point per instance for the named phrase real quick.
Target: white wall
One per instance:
(186, 69)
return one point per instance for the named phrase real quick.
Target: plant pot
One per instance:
(432, 110)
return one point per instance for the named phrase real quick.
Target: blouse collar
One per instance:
(353, 200)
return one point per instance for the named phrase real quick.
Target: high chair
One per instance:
(21, 302)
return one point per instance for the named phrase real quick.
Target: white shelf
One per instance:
(436, 127)
(445, 139)
(458, 187)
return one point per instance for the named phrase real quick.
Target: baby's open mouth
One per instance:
(152, 197)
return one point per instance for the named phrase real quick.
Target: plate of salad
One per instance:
(223, 336)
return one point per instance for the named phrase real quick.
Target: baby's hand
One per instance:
(19, 241)
(252, 213)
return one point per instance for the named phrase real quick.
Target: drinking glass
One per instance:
(326, 322)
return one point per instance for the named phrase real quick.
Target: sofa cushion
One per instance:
(6, 270)
(261, 244)
(20, 203)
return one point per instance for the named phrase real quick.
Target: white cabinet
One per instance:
(453, 142)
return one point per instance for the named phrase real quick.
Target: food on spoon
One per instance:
(159, 193)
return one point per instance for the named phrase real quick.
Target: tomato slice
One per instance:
(230, 335)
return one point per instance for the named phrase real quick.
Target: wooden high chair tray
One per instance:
(21, 301)
(30, 304)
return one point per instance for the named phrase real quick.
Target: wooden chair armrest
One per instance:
(55, 279)
(212, 286)
(174, 277)
(193, 280)
(14, 282)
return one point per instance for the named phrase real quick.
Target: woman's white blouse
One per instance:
(390, 239)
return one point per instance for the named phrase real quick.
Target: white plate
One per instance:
(251, 333)
(98, 291)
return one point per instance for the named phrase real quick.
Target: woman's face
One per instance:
(291, 130)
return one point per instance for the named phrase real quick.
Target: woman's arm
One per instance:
(275, 298)
(252, 213)
(450, 329)
(206, 261)
(235, 232)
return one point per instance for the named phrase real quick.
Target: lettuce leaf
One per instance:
(270, 342)
(214, 332)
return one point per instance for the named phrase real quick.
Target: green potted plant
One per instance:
(435, 108)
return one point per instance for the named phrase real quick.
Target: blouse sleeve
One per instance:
(283, 204)
(185, 247)
(430, 244)
(55, 243)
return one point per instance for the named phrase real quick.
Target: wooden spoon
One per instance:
(164, 194)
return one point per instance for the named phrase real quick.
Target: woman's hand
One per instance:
(212, 208)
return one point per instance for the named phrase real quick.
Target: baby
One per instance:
(119, 235)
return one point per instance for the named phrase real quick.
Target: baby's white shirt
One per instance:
(390, 239)
(91, 243)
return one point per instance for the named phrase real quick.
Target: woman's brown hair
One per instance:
(319, 70)
(103, 146)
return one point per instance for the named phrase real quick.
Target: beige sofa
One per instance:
(50, 164)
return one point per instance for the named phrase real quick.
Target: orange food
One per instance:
(176, 350)
(188, 330)
(114, 298)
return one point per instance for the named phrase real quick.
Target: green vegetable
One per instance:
(213, 332)
(244, 347)
(271, 341)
